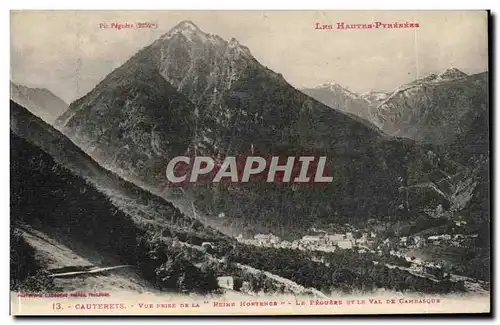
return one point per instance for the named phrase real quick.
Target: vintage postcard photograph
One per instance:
(249, 162)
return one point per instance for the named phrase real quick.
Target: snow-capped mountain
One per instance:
(452, 73)
(434, 109)
(338, 97)
(40, 101)
(374, 97)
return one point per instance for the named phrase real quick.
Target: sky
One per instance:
(68, 53)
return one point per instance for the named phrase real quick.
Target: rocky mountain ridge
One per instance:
(431, 109)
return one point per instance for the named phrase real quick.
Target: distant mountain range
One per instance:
(436, 109)
(338, 97)
(40, 101)
(194, 93)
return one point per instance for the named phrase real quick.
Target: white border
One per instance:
(200, 4)
(258, 4)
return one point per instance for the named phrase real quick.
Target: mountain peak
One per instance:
(329, 85)
(186, 28)
(186, 25)
(188, 31)
(234, 41)
(333, 86)
(452, 69)
(453, 73)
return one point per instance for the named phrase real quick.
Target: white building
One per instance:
(274, 239)
(439, 237)
(266, 239)
(345, 244)
(335, 237)
(226, 282)
(311, 239)
(433, 238)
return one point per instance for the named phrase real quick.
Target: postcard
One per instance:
(249, 162)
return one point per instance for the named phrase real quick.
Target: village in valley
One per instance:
(369, 242)
(407, 254)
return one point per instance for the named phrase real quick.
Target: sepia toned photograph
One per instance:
(249, 162)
